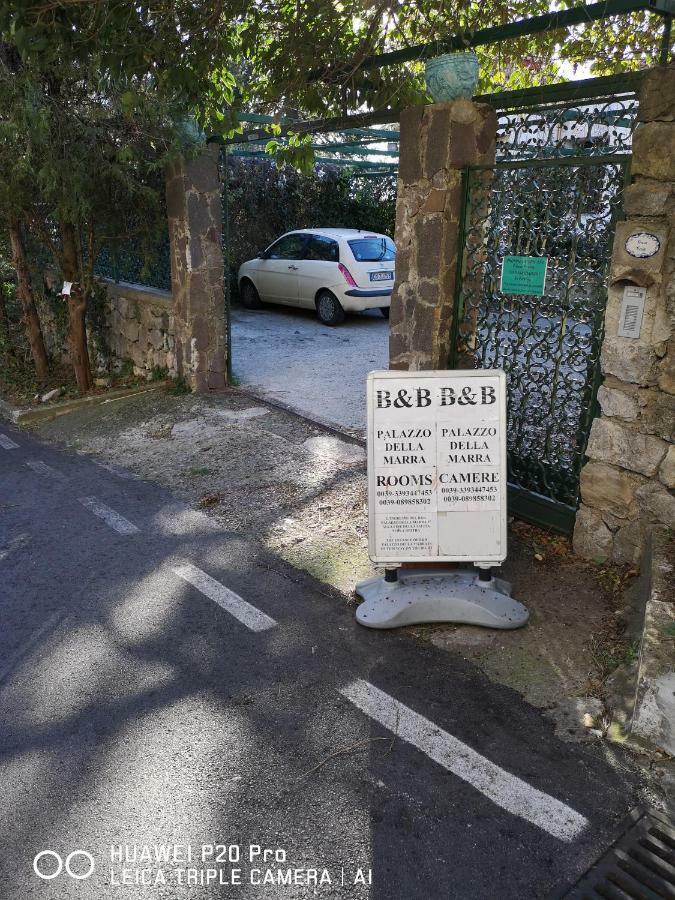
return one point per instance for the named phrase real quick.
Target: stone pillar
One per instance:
(437, 142)
(627, 485)
(193, 199)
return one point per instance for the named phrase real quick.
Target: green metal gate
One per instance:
(555, 191)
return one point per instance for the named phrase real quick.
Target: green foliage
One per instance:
(200, 62)
(178, 387)
(331, 39)
(159, 373)
(264, 201)
(127, 368)
(149, 265)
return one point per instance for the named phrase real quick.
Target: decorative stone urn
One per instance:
(451, 76)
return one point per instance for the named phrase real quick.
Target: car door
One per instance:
(277, 271)
(318, 269)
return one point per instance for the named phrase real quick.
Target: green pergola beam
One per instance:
(378, 134)
(601, 87)
(326, 160)
(375, 134)
(348, 149)
(578, 15)
(263, 119)
(355, 150)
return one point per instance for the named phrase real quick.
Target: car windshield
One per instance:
(373, 249)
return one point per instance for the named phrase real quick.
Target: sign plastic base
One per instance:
(433, 595)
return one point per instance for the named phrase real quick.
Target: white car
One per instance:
(332, 270)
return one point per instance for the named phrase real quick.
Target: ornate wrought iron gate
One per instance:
(555, 191)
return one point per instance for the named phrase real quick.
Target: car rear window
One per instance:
(373, 249)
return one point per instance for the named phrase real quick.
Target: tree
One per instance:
(97, 97)
(24, 288)
(16, 196)
(342, 35)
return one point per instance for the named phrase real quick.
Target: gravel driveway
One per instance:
(287, 355)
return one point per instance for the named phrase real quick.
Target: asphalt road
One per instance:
(164, 684)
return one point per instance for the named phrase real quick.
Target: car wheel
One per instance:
(249, 295)
(329, 309)
(385, 311)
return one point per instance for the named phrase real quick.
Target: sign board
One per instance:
(437, 466)
(642, 244)
(524, 275)
(632, 310)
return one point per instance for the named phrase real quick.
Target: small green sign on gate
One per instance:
(524, 275)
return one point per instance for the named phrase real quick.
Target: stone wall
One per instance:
(136, 329)
(139, 328)
(182, 330)
(437, 142)
(194, 209)
(627, 484)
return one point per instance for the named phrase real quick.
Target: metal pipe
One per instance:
(578, 15)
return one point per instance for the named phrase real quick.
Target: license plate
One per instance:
(381, 276)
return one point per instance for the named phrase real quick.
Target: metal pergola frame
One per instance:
(359, 131)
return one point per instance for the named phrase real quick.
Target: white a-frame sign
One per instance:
(437, 493)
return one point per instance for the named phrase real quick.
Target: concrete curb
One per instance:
(352, 437)
(44, 413)
(653, 717)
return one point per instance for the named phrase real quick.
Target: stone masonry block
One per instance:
(175, 197)
(435, 203)
(667, 469)
(428, 235)
(627, 544)
(657, 95)
(629, 360)
(199, 171)
(666, 374)
(199, 216)
(647, 197)
(617, 402)
(616, 444)
(654, 150)
(610, 489)
(132, 331)
(658, 415)
(657, 503)
(437, 139)
(156, 339)
(592, 539)
(410, 163)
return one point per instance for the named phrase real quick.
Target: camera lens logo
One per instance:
(48, 864)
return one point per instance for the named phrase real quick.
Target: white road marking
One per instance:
(12, 662)
(7, 443)
(109, 516)
(43, 469)
(232, 603)
(503, 788)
